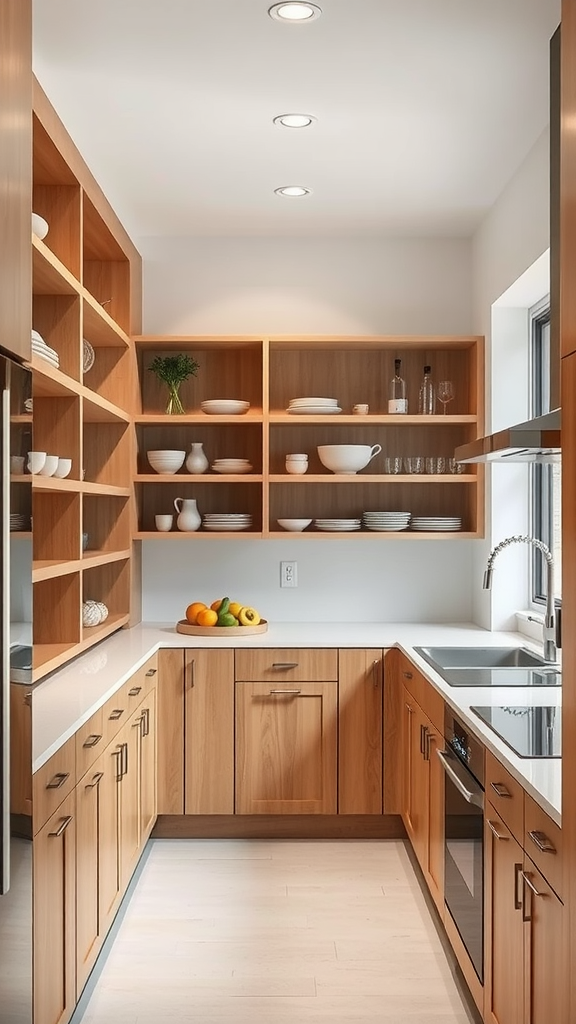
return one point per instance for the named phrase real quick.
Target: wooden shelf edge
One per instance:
(381, 419)
(48, 569)
(197, 417)
(106, 410)
(92, 634)
(47, 264)
(372, 478)
(197, 535)
(48, 657)
(106, 490)
(93, 558)
(108, 324)
(386, 535)
(54, 483)
(198, 478)
(49, 382)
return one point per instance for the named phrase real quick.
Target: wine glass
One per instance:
(445, 393)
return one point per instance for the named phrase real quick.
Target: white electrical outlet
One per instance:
(288, 574)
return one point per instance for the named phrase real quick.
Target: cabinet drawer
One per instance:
(287, 664)
(506, 795)
(422, 690)
(53, 782)
(140, 684)
(543, 843)
(90, 742)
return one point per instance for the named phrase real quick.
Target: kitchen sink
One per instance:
(491, 666)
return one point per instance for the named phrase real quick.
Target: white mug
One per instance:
(164, 523)
(36, 461)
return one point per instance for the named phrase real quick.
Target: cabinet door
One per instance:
(88, 932)
(130, 830)
(286, 748)
(360, 731)
(170, 732)
(504, 929)
(435, 860)
(415, 805)
(54, 853)
(147, 766)
(546, 947)
(209, 730)
(109, 881)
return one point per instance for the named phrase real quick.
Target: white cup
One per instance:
(63, 468)
(361, 409)
(164, 523)
(50, 466)
(36, 461)
(296, 464)
(17, 465)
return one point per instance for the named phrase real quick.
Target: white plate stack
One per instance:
(41, 349)
(337, 525)
(19, 523)
(444, 524)
(232, 466)
(226, 522)
(313, 406)
(386, 522)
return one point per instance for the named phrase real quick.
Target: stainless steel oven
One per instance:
(463, 763)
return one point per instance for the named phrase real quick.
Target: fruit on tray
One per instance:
(222, 612)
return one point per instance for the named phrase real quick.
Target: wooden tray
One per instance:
(183, 626)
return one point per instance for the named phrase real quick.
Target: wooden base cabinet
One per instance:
(360, 679)
(423, 800)
(209, 732)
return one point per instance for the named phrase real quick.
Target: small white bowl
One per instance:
(63, 468)
(294, 525)
(39, 225)
(166, 460)
(49, 467)
(35, 461)
(224, 407)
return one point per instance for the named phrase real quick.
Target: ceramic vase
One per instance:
(196, 461)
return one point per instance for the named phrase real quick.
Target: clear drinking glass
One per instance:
(393, 464)
(414, 464)
(455, 466)
(445, 393)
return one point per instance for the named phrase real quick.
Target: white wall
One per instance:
(348, 286)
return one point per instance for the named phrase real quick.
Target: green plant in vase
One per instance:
(173, 371)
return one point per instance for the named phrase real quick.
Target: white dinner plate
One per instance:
(315, 410)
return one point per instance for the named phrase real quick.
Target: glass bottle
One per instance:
(397, 401)
(427, 394)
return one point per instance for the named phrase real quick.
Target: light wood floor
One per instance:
(277, 932)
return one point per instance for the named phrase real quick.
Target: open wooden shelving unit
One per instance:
(268, 372)
(86, 284)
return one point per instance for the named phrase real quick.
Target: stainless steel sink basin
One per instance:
(480, 657)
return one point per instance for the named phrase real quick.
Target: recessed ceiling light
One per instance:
(294, 120)
(292, 190)
(295, 11)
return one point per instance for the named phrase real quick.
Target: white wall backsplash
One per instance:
(340, 580)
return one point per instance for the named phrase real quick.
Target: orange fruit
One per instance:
(193, 609)
(207, 617)
(216, 604)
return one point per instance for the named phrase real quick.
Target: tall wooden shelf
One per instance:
(269, 372)
(86, 284)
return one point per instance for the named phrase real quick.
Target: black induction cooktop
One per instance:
(529, 732)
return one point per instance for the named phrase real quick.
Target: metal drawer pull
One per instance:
(116, 714)
(58, 780)
(281, 665)
(464, 782)
(407, 675)
(540, 839)
(125, 754)
(92, 740)
(62, 826)
(531, 885)
(517, 872)
(423, 731)
(192, 673)
(273, 692)
(495, 832)
(500, 790)
(118, 755)
(151, 672)
(428, 739)
(95, 780)
(134, 691)
(375, 676)
(146, 717)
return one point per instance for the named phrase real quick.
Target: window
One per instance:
(546, 478)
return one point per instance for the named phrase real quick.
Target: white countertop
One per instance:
(67, 699)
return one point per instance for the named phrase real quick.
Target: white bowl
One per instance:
(224, 407)
(39, 225)
(294, 525)
(347, 458)
(166, 460)
(49, 467)
(63, 468)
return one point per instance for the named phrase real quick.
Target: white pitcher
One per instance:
(189, 517)
(196, 461)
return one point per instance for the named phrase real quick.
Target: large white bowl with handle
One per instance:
(347, 458)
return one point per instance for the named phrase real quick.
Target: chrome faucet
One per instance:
(551, 621)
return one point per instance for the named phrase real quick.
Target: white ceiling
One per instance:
(425, 109)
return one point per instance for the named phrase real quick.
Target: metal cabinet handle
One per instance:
(375, 674)
(500, 790)
(429, 738)
(151, 671)
(192, 673)
(118, 755)
(62, 827)
(495, 831)
(518, 904)
(134, 691)
(58, 780)
(95, 780)
(125, 755)
(116, 714)
(282, 665)
(540, 839)
(272, 693)
(144, 721)
(407, 675)
(423, 731)
(531, 885)
(92, 740)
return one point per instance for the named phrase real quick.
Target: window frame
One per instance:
(541, 476)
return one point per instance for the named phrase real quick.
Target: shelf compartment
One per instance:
(228, 368)
(57, 319)
(47, 657)
(107, 452)
(157, 498)
(97, 409)
(106, 519)
(57, 431)
(109, 583)
(49, 275)
(240, 440)
(359, 370)
(99, 327)
(56, 613)
(94, 634)
(111, 377)
(106, 268)
(48, 382)
(56, 526)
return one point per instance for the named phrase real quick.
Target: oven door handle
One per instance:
(462, 779)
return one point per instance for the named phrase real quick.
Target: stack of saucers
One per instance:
(386, 522)
(222, 522)
(337, 525)
(19, 523)
(41, 349)
(231, 466)
(313, 406)
(437, 523)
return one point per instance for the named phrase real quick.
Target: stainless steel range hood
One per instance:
(537, 440)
